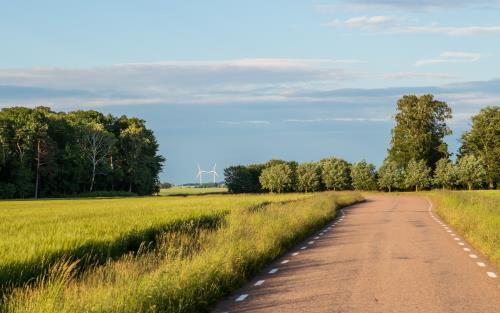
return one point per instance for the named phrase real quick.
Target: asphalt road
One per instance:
(389, 254)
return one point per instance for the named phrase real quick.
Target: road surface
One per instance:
(388, 254)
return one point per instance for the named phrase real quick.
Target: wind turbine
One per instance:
(214, 172)
(200, 174)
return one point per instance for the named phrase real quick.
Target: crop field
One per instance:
(475, 215)
(200, 248)
(179, 191)
(36, 233)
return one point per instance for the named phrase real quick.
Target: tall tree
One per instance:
(96, 144)
(335, 174)
(276, 178)
(309, 177)
(417, 175)
(390, 176)
(420, 130)
(483, 141)
(363, 176)
(471, 171)
(445, 174)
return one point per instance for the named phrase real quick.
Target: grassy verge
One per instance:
(190, 271)
(475, 215)
(36, 234)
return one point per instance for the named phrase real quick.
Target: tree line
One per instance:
(418, 158)
(50, 154)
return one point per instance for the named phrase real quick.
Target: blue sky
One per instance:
(245, 81)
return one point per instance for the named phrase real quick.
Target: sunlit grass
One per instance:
(191, 191)
(191, 269)
(34, 234)
(475, 215)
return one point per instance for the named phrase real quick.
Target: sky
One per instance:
(238, 82)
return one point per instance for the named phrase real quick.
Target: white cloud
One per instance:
(408, 5)
(419, 75)
(451, 57)
(393, 25)
(449, 30)
(363, 22)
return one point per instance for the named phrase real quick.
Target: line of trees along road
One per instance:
(47, 153)
(417, 158)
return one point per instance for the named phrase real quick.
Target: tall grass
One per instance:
(36, 234)
(475, 215)
(190, 270)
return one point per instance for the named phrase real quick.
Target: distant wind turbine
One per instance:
(214, 172)
(200, 174)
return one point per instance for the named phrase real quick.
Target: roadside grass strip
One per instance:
(466, 249)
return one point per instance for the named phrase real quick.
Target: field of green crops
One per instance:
(180, 191)
(36, 233)
(169, 254)
(475, 215)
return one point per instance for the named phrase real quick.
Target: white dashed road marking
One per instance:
(311, 242)
(303, 248)
(467, 249)
(273, 271)
(473, 256)
(491, 274)
(241, 298)
(260, 282)
(295, 253)
(285, 261)
(481, 264)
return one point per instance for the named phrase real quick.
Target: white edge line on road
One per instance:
(491, 274)
(241, 298)
(260, 282)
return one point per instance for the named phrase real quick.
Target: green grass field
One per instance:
(475, 215)
(184, 191)
(37, 233)
(188, 269)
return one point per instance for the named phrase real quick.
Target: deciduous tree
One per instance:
(276, 178)
(390, 176)
(417, 175)
(309, 177)
(471, 171)
(445, 174)
(419, 131)
(483, 141)
(363, 176)
(335, 174)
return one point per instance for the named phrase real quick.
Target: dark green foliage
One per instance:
(483, 141)
(46, 153)
(243, 179)
(363, 176)
(335, 174)
(419, 131)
